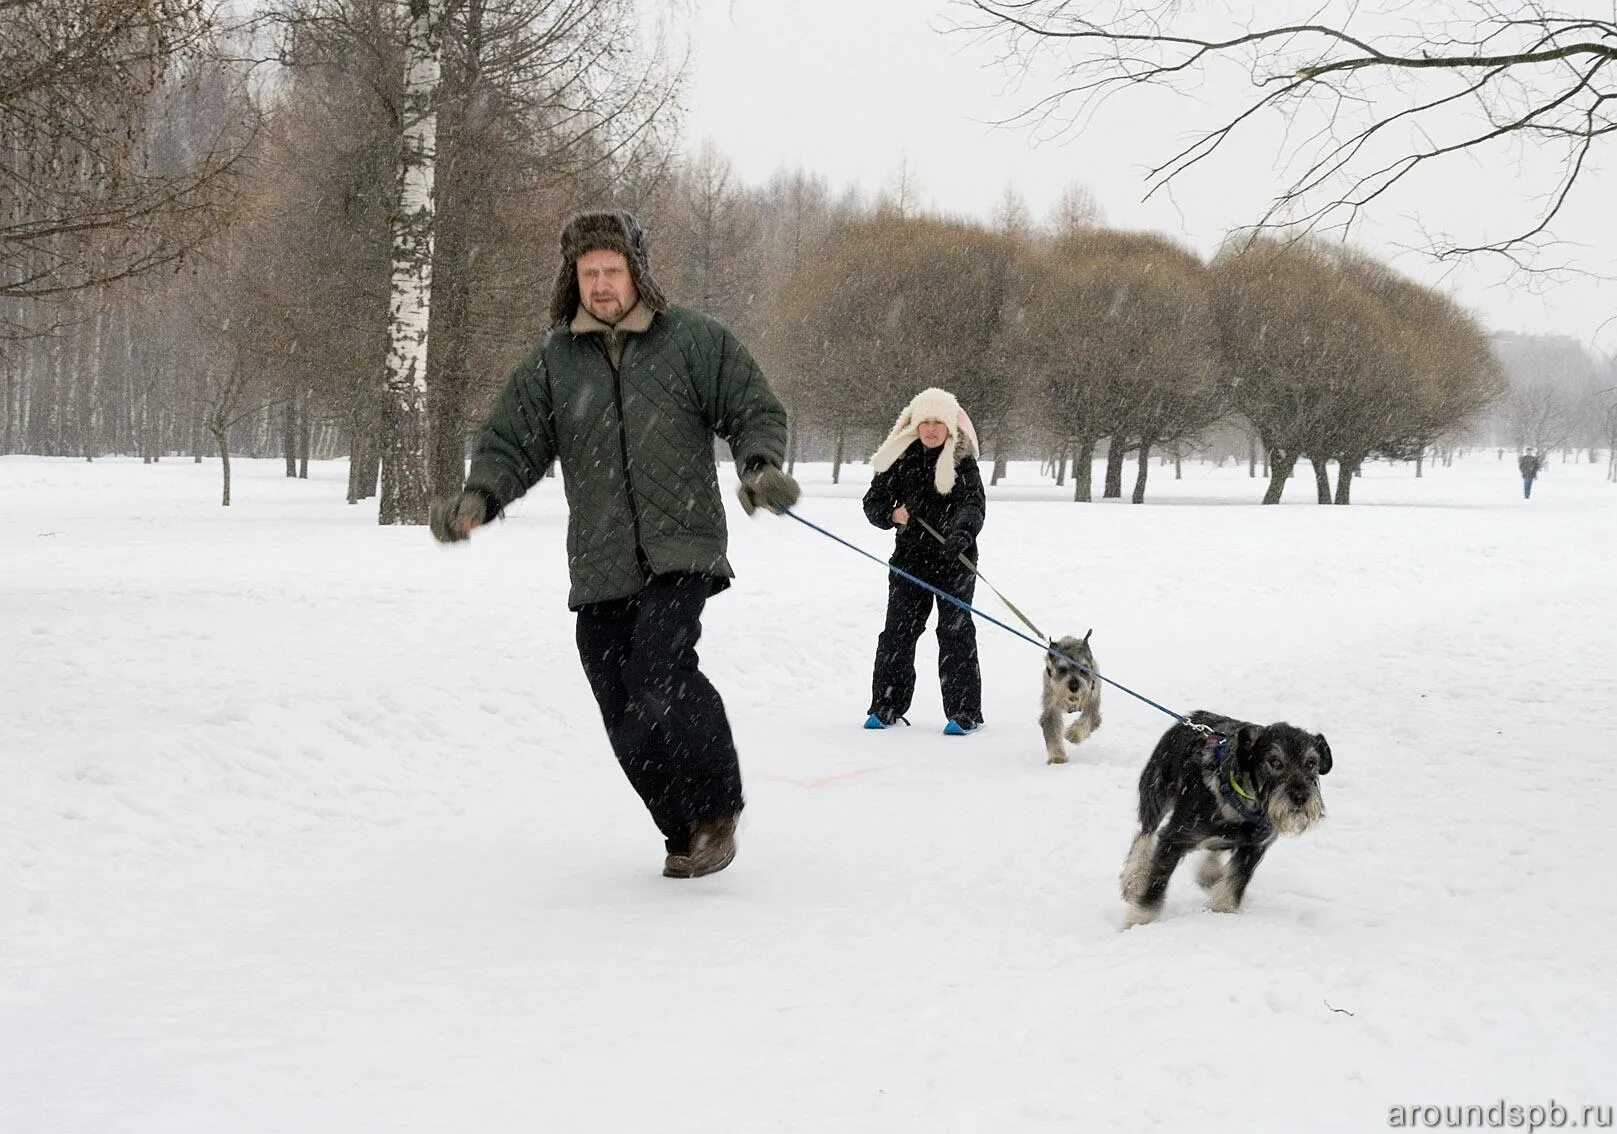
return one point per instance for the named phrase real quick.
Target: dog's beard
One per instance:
(1293, 818)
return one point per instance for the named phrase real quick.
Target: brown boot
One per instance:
(713, 847)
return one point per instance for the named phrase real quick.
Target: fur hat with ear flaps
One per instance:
(602, 231)
(930, 405)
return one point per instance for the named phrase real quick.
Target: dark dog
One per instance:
(1069, 689)
(1233, 789)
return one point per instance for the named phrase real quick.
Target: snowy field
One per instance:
(308, 825)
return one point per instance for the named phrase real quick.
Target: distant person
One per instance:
(628, 392)
(1529, 464)
(926, 474)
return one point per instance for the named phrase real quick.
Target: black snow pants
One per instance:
(665, 721)
(908, 607)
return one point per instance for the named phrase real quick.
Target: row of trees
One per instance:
(278, 318)
(1061, 341)
(1560, 396)
(121, 150)
(378, 144)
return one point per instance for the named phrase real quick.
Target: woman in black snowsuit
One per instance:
(926, 470)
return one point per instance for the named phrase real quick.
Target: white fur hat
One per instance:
(937, 405)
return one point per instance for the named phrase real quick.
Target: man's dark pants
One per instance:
(665, 720)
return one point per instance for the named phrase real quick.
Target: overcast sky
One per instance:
(852, 89)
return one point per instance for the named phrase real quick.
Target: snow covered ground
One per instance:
(309, 825)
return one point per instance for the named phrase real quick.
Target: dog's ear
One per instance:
(1087, 633)
(1248, 741)
(1324, 751)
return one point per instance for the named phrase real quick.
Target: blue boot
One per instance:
(874, 721)
(963, 727)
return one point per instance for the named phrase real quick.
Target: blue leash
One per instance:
(1045, 646)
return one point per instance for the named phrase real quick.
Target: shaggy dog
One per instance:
(1220, 785)
(1069, 688)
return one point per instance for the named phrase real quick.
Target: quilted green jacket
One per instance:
(635, 445)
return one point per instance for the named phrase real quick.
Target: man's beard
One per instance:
(608, 309)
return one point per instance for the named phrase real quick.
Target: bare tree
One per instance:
(109, 190)
(404, 452)
(901, 197)
(226, 342)
(1433, 372)
(543, 106)
(1608, 422)
(1540, 417)
(92, 187)
(888, 306)
(1369, 97)
(1011, 214)
(1553, 384)
(708, 238)
(1293, 333)
(1075, 212)
(1117, 327)
(1332, 356)
(825, 340)
(795, 215)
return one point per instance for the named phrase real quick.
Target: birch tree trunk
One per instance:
(61, 376)
(89, 386)
(404, 454)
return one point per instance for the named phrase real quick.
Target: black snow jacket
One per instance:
(910, 482)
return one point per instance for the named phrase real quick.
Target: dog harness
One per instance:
(1241, 801)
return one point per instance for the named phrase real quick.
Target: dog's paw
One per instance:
(1078, 731)
(1139, 915)
(1210, 871)
(1223, 898)
(1056, 758)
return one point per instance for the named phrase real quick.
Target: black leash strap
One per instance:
(972, 567)
(962, 604)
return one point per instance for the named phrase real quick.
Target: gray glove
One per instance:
(453, 518)
(767, 487)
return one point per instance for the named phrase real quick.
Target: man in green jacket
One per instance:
(628, 392)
